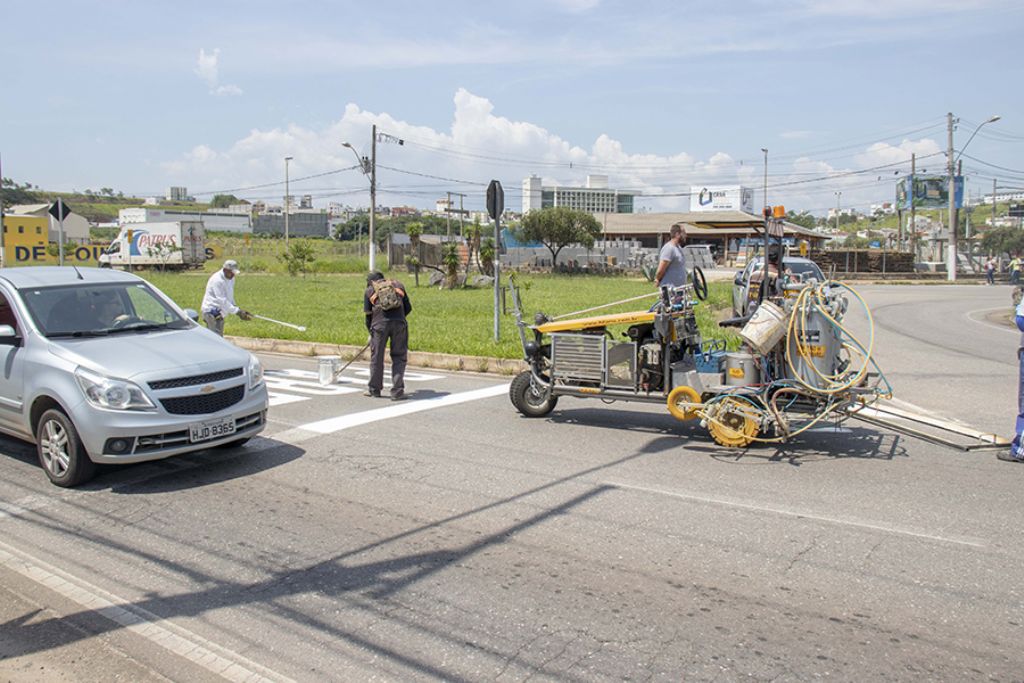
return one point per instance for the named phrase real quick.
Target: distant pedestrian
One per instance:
(1015, 270)
(1016, 452)
(219, 299)
(990, 271)
(672, 260)
(386, 305)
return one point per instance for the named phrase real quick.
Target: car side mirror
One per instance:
(739, 279)
(8, 336)
(192, 314)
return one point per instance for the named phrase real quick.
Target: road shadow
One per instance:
(194, 470)
(376, 571)
(825, 443)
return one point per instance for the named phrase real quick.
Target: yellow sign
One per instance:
(803, 247)
(736, 372)
(813, 350)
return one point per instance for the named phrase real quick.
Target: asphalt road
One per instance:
(448, 538)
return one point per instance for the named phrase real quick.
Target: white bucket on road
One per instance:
(766, 328)
(327, 368)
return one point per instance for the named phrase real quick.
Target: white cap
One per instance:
(232, 265)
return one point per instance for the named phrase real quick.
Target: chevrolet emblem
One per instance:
(207, 389)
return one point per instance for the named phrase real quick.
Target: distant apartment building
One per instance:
(306, 202)
(594, 197)
(178, 194)
(220, 222)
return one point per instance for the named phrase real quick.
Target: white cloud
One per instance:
(480, 145)
(207, 69)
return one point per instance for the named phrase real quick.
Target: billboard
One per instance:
(721, 198)
(930, 192)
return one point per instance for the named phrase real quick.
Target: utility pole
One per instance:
(838, 195)
(913, 180)
(993, 202)
(287, 201)
(373, 198)
(765, 150)
(950, 168)
(448, 214)
(462, 214)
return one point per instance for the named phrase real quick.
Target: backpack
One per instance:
(387, 296)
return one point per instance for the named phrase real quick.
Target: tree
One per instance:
(473, 233)
(414, 230)
(451, 261)
(1005, 240)
(223, 201)
(487, 252)
(803, 219)
(298, 256)
(559, 227)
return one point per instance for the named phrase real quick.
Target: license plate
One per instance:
(204, 431)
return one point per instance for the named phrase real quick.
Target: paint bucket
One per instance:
(327, 368)
(741, 369)
(766, 328)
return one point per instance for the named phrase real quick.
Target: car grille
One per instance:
(202, 404)
(195, 379)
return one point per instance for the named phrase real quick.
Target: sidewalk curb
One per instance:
(421, 359)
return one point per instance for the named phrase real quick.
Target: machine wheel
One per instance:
(700, 283)
(527, 400)
(678, 400)
(60, 450)
(733, 425)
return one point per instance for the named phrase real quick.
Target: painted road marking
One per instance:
(971, 316)
(293, 386)
(175, 639)
(330, 425)
(961, 540)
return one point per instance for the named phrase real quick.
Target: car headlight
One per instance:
(255, 372)
(114, 394)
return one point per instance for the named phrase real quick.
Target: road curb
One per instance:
(421, 359)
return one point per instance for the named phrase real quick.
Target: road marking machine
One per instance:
(798, 367)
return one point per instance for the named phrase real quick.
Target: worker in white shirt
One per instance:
(219, 300)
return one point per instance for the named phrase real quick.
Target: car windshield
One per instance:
(88, 310)
(805, 270)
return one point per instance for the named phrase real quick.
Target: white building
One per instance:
(595, 197)
(222, 222)
(76, 227)
(178, 194)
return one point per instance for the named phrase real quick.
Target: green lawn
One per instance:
(458, 321)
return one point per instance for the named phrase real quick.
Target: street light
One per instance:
(369, 168)
(362, 167)
(952, 257)
(286, 200)
(838, 197)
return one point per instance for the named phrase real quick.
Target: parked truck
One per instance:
(173, 245)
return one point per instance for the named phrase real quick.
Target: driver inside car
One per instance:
(107, 309)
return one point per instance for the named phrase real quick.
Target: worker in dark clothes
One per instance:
(386, 304)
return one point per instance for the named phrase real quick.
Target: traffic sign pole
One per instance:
(495, 207)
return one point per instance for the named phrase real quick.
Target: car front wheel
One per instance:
(60, 450)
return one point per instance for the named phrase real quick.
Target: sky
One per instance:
(659, 96)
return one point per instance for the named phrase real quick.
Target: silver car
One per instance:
(99, 366)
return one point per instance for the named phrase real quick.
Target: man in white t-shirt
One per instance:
(219, 299)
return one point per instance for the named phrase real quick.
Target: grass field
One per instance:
(261, 255)
(457, 321)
